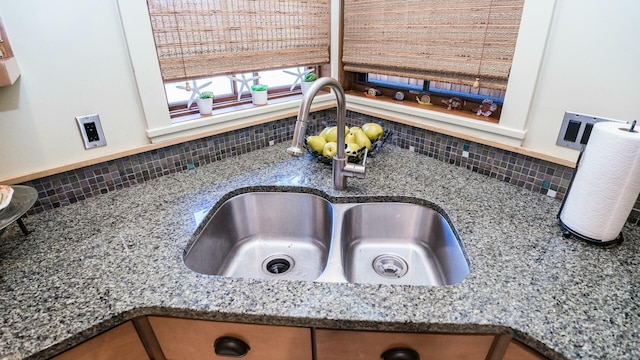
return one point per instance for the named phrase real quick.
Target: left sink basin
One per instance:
(265, 235)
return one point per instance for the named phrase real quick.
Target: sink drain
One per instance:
(277, 264)
(390, 266)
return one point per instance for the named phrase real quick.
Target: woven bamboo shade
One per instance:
(200, 38)
(453, 41)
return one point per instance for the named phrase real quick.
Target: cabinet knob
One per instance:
(230, 347)
(400, 354)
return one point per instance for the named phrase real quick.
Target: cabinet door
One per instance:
(368, 345)
(121, 342)
(519, 351)
(187, 339)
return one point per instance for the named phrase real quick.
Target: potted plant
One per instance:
(306, 82)
(259, 94)
(205, 102)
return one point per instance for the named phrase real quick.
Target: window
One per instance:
(461, 48)
(208, 40)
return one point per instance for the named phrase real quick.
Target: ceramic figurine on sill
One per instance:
(455, 103)
(486, 108)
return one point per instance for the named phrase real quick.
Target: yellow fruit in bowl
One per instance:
(354, 129)
(352, 149)
(349, 138)
(330, 149)
(373, 131)
(316, 143)
(324, 132)
(332, 134)
(362, 139)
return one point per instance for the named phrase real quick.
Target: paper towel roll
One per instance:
(606, 184)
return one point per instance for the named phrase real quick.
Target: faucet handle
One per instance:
(356, 170)
(364, 159)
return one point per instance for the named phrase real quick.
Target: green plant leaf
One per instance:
(206, 95)
(259, 87)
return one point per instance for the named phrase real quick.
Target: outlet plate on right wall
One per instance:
(576, 129)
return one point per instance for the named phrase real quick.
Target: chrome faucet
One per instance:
(341, 167)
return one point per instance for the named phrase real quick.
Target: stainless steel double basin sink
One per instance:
(305, 236)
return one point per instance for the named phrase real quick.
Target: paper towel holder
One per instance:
(567, 232)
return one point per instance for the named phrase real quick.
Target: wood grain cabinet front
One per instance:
(519, 351)
(121, 342)
(367, 345)
(187, 339)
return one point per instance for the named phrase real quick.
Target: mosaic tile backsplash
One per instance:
(520, 170)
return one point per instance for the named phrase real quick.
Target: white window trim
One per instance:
(534, 28)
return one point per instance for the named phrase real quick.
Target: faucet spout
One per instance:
(341, 167)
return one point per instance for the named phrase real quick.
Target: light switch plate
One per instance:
(576, 129)
(91, 131)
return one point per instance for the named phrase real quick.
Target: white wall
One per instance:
(74, 61)
(591, 66)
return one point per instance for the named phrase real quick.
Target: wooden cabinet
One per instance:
(519, 351)
(121, 342)
(169, 338)
(187, 339)
(367, 345)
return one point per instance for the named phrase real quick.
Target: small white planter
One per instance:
(259, 97)
(305, 85)
(205, 106)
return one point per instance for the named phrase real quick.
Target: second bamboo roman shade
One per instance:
(200, 38)
(453, 41)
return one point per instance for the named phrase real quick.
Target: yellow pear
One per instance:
(349, 138)
(352, 149)
(372, 130)
(332, 134)
(324, 132)
(316, 143)
(354, 129)
(362, 139)
(330, 149)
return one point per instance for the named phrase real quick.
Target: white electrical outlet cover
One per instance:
(91, 131)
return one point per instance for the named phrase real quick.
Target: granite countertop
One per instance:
(92, 265)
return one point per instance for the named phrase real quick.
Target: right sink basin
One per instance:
(302, 236)
(400, 243)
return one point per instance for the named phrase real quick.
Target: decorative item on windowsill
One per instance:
(259, 94)
(372, 93)
(307, 82)
(194, 89)
(486, 108)
(205, 102)
(424, 100)
(323, 146)
(455, 103)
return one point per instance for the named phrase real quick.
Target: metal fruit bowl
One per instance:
(354, 158)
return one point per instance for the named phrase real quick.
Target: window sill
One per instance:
(193, 126)
(451, 122)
